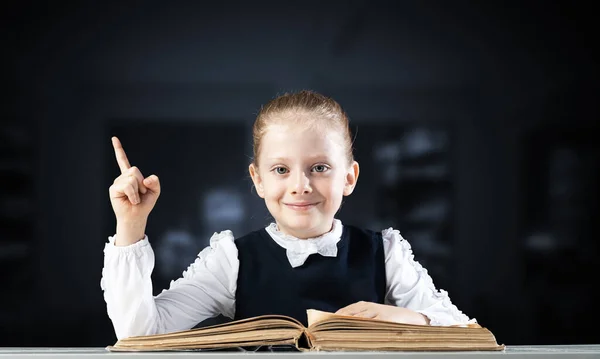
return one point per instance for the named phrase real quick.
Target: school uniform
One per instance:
(268, 272)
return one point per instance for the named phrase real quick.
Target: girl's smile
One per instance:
(302, 206)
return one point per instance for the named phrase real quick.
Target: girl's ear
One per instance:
(257, 180)
(351, 178)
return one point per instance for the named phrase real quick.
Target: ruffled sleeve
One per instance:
(206, 289)
(410, 286)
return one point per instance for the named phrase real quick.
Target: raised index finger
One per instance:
(120, 155)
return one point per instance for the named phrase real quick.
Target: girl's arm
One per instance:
(410, 286)
(206, 289)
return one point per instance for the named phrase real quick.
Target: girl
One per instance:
(303, 166)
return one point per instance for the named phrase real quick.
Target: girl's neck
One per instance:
(304, 236)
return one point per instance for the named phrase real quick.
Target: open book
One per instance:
(326, 331)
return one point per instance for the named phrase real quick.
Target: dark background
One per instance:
(476, 127)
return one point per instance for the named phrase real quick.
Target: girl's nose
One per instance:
(300, 184)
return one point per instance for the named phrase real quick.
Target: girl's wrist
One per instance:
(425, 318)
(128, 233)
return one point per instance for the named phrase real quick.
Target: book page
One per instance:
(314, 316)
(266, 329)
(329, 331)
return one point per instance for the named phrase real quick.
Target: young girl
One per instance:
(303, 166)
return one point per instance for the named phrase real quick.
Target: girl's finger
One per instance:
(137, 174)
(152, 183)
(120, 155)
(366, 314)
(131, 191)
(353, 308)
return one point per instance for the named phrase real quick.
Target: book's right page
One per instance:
(331, 332)
(314, 316)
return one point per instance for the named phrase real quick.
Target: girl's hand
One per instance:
(384, 312)
(132, 198)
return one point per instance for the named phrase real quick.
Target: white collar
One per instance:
(298, 250)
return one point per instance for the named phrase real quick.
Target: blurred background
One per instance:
(476, 128)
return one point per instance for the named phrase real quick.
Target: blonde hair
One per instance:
(322, 112)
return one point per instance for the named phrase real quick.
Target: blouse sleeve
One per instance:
(206, 289)
(410, 286)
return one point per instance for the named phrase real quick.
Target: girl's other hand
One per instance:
(384, 312)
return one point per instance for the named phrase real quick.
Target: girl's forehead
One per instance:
(294, 129)
(300, 135)
(281, 141)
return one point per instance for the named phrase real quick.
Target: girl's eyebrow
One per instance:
(322, 157)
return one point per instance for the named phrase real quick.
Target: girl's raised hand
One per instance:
(132, 198)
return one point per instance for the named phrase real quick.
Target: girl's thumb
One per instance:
(152, 183)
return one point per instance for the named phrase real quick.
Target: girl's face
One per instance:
(303, 174)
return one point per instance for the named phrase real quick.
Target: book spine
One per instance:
(308, 339)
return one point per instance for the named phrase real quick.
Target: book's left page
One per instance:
(264, 330)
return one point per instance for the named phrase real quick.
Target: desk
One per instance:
(528, 352)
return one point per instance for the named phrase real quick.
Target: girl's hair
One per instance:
(306, 107)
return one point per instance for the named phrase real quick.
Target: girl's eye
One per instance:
(320, 168)
(280, 170)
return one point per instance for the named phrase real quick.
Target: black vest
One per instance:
(267, 283)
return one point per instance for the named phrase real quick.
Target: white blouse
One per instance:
(207, 288)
